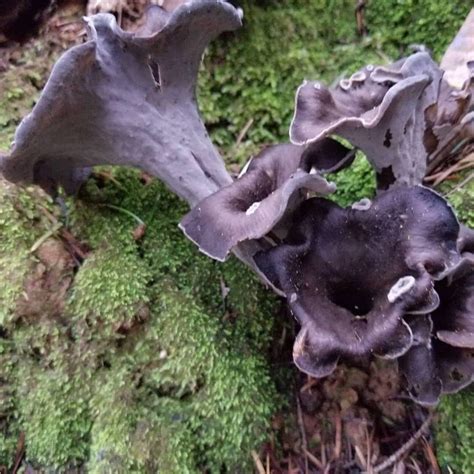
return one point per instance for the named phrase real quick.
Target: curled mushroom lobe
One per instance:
(351, 275)
(402, 116)
(442, 357)
(128, 99)
(269, 188)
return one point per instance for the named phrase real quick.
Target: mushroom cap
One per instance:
(442, 360)
(127, 99)
(350, 275)
(401, 116)
(268, 188)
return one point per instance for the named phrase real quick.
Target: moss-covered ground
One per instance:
(123, 352)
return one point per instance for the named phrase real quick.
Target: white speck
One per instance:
(403, 285)
(317, 85)
(370, 67)
(252, 208)
(362, 205)
(293, 297)
(313, 170)
(163, 355)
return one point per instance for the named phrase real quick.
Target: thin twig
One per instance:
(20, 453)
(314, 459)
(123, 211)
(45, 237)
(258, 463)
(431, 456)
(337, 443)
(397, 455)
(415, 466)
(304, 441)
(465, 163)
(243, 132)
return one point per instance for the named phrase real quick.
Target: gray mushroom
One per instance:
(442, 357)
(127, 99)
(401, 116)
(269, 187)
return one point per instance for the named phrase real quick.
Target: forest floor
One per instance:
(359, 419)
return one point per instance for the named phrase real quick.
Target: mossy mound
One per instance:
(150, 364)
(146, 361)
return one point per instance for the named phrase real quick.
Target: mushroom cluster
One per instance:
(390, 276)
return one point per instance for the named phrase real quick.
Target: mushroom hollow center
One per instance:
(349, 295)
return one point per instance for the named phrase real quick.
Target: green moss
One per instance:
(354, 183)
(151, 366)
(253, 75)
(462, 198)
(455, 437)
(148, 367)
(20, 225)
(53, 408)
(110, 288)
(397, 24)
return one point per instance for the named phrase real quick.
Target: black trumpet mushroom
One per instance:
(351, 275)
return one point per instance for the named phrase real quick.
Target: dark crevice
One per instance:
(356, 300)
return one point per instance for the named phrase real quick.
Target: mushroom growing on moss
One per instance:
(350, 275)
(127, 99)
(268, 187)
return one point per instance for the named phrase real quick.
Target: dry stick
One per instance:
(258, 463)
(458, 132)
(415, 466)
(243, 132)
(397, 455)
(463, 164)
(314, 460)
(337, 443)
(304, 441)
(468, 159)
(431, 456)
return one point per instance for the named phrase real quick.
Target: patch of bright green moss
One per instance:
(20, 225)
(455, 436)
(151, 366)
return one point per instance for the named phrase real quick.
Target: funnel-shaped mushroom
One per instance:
(127, 99)
(442, 360)
(268, 188)
(350, 275)
(398, 115)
